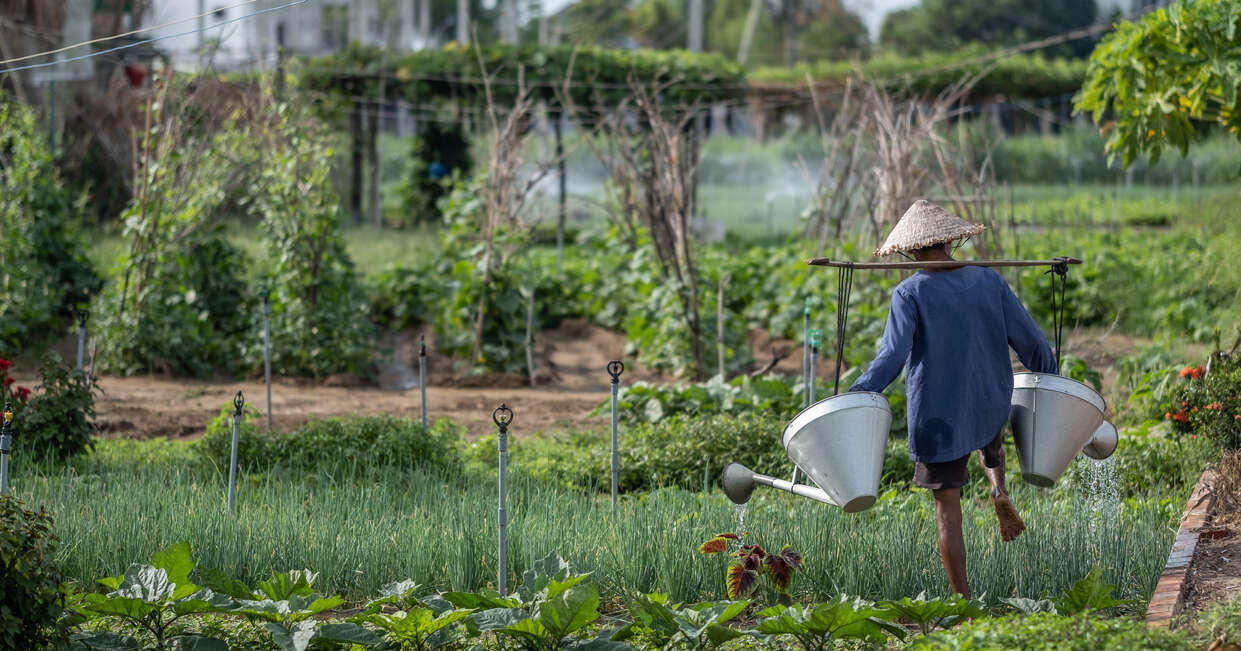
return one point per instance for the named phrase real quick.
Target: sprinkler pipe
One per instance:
(503, 417)
(239, 401)
(422, 377)
(615, 368)
(267, 351)
(816, 336)
(83, 315)
(6, 443)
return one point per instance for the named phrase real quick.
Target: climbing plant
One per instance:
(319, 323)
(178, 304)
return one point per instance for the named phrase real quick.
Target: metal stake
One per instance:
(6, 442)
(503, 417)
(422, 377)
(615, 368)
(267, 351)
(83, 315)
(239, 401)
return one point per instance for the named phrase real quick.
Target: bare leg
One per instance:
(951, 538)
(1011, 524)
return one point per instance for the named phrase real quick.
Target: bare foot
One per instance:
(1011, 524)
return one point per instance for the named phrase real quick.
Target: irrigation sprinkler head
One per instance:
(806, 309)
(738, 483)
(615, 368)
(83, 315)
(816, 337)
(239, 401)
(503, 417)
(422, 345)
(1103, 443)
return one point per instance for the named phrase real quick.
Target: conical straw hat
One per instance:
(923, 225)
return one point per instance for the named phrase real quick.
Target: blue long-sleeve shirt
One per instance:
(953, 330)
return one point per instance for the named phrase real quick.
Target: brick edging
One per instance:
(1170, 591)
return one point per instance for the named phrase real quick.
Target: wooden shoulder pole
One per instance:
(945, 264)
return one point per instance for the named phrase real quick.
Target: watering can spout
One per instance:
(739, 483)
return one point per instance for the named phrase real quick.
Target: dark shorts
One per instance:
(955, 474)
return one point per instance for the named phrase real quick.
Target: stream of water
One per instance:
(1100, 490)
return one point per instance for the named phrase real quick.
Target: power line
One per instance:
(33, 66)
(129, 33)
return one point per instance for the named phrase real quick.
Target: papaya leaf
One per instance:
(150, 584)
(926, 613)
(349, 633)
(117, 606)
(283, 585)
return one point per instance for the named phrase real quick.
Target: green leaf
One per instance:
(204, 601)
(104, 641)
(147, 583)
(570, 611)
(284, 585)
(222, 583)
(497, 618)
(1030, 606)
(131, 607)
(528, 629)
(1088, 594)
(294, 638)
(720, 634)
(474, 601)
(349, 633)
(175, 562)
(198, 643)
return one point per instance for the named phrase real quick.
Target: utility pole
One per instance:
(463, 21)
(424, 24)
(695, 25)
(747, 35)
(508, 22)
(405, 16)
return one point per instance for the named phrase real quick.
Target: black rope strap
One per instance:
(1060, 270)
(844, 287)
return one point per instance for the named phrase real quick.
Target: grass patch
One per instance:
(128, 500)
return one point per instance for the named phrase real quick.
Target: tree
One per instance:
(605, 23)
(941, 25)
(1151, 83)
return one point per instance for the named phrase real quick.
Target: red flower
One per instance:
(23, 394)
(1194, 372)
(1167, 415)
(1180, 416)
(5, 364)
(8, 381)
(1194, 410)
(1236, 416)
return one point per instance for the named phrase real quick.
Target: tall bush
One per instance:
(319, 310)
(178, 304)
(43, 273)
(30, 602)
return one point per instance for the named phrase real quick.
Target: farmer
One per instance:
(952, 328)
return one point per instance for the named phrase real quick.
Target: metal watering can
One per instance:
(838, 442)
(1054, 418)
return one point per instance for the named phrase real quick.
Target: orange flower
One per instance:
(1236, 416)
(1194, 410)
(1167, 415)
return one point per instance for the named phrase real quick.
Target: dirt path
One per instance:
(571, 382)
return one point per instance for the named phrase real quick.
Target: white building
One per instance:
(249, 37)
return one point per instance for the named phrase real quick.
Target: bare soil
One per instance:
(569, 383)
(1215, 575)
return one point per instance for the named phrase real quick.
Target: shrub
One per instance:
(43, 272)
(56, 422)
(1048, 631)
(681, 451)
(1209, 404)
(318, 324)
(30, 601)
(334, 445)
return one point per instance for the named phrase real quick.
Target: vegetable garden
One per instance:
(371, 531)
